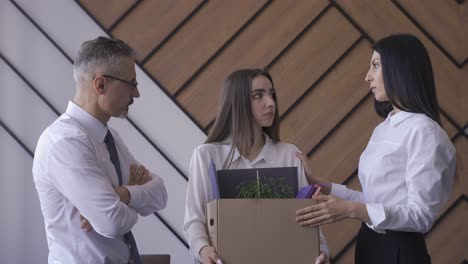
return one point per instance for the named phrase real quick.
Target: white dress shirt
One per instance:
(73, 174)
(406, 173)
(199, 187)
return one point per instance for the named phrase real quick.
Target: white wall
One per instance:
(47, 72)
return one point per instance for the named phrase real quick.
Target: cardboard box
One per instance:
(260, 231)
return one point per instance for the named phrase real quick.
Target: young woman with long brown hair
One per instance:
(244, 135)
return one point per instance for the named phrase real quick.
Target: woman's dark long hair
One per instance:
(235, 117)
(408, 77)
(383, 108)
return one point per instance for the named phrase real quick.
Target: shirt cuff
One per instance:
(338, 190)
(376, 212)
(135, 195)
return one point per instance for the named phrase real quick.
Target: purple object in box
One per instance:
(306, 192)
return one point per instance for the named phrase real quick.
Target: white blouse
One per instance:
(406, 173)
(199, 187)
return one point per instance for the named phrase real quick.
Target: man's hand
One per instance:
(139, 175)
(123, 193)
(208, 255)
(85, 225)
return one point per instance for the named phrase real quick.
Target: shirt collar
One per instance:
(396, 118)
(93, 126)
(268, 152)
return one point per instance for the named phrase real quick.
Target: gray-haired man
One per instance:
(90, 187)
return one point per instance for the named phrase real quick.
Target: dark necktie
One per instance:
(114, 156)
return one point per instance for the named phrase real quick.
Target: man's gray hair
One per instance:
(100, 53)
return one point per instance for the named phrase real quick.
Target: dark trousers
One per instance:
(390, 248)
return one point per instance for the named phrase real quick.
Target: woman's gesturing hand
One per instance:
(329, 209)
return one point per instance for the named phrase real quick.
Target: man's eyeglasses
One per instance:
(134, 83)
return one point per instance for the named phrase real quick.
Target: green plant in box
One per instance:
(267, 188)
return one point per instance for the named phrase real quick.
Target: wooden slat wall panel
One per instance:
(151, 22)
(378, 24)
(348, 256)
(441, 20)
(460, 185)
(450, 236)
(299, 67)
(437, 235)
(107, 11)
(338, 157)
(278, 25)
(196, 42)
(340, 233)
(460, 188)
(463, 13)
(461, 144)
(457, 192)
(329, 115)
(320, 109)
(449, 128)
(464, 81)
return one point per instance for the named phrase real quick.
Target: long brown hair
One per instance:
(235, 118)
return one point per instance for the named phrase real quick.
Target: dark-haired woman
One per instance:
(244, 135)
(407, 169)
